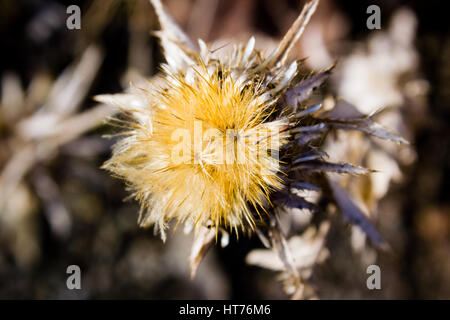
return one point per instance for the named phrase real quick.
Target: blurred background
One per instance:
(57, 208)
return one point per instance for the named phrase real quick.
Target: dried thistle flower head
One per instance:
(203, 155)
(220, 138)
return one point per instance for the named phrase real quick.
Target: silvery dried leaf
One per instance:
(321, 166)
(346, 116)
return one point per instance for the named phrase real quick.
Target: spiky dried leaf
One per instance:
(303, 91)
(351, 212)
(290, 200)
(346, 116)
(280, 54)
(322, 166)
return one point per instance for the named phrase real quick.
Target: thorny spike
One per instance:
(170, 27)
(279, 55)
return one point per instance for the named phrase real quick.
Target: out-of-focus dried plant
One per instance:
(35, 123)
(380, 78)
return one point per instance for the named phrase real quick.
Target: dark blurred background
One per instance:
(58, 208)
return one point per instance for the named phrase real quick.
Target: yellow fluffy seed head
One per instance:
(206, 155)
